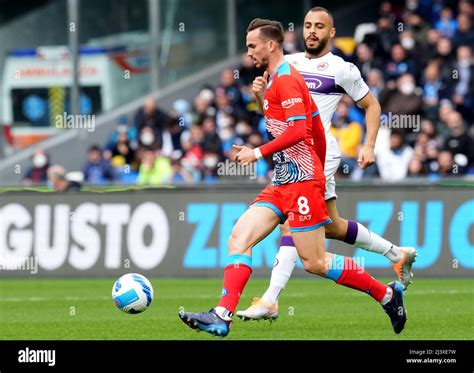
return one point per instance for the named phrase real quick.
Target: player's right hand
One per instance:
(259, 84)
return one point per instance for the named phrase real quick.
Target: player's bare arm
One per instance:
(372, 119)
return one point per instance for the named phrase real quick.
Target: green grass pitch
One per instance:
(82, 309)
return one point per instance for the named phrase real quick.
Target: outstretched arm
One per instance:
(295, 133)
(372, 119)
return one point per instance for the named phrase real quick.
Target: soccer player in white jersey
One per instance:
(328, 77)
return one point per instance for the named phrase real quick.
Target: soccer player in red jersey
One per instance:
(328, 76)
(296, 192)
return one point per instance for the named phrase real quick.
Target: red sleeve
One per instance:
(319, 135)
(295, 133)
(291, 96)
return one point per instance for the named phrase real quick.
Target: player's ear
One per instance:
(332, 32)
(271, 45)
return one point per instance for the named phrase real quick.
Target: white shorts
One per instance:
(330, 168)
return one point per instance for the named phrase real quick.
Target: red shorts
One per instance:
(301, 203)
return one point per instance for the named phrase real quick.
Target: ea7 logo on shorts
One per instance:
(291, 101)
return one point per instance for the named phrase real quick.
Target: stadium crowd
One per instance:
(418, 62)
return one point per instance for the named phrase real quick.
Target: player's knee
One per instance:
(335, 230)
(315, 266)
(237, 242)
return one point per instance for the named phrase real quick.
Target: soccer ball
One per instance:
(132, 293)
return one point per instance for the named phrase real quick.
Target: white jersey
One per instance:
(328, 78)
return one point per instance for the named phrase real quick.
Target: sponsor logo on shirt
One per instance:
(322, 66)
(358, 82)
(290, 102)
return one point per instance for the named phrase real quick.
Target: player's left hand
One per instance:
(366, 156)
(245, 155)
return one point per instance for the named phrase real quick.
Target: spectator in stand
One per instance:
(459, 143)
(426, 151)
(57, 180)
(375, 82)
(211, 141)
(179, 175)
(176, 127)
(122, 128)
(229, 138)
(445, 108)
(155, 169)
(226, 113)
(434, 89)
(191, 143)
(463, 90)
(465, 32)
(96, 169)
(447, 25)
(428, 50)
(466, 7)
(147, 138)
(203, 106)
(38, 173)
(210, 162)
(387, 10)
(446, 166)
(418, 27)
(416, 168)
(181, 113)
(403, 100)
(150, 116)
(428, 128)
(385, 37)
(408, 42)
(399, 63)
(348, 135)
(290, 42)
(122, 159)
(393, 162)
(243, 129)
(446, 58)
(365, 60)
(231, 89)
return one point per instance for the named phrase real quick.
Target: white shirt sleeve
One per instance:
(350, 79)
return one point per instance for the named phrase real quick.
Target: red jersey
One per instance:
(294, 128)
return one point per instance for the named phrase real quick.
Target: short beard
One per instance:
(264, 62)
(316, 51)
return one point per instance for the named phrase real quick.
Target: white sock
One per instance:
(223, 313)
(371, 241)
(285, 262)
(387, 297)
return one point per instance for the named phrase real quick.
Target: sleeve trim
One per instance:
(295, 117)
